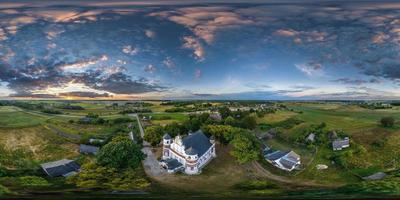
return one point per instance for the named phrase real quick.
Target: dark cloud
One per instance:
(29, 95)
(356, 81)
(204, 95)
(83, 94)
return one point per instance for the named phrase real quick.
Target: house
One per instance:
(285, 160)
(311, 137)
(88, 149)
(340, 144)
(62, 167)
(216, 116)
(192, 152)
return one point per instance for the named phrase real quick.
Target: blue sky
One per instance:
(224, 50)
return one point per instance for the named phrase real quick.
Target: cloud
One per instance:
(204, 94)
(356, 81)
(169, 63)
(150, 68)
(310, 69)
(150, 34)
(30, 95)
(128, 49)
(205, 21)
(195, 45)
(83, 94)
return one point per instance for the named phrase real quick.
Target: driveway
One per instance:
(150, 163)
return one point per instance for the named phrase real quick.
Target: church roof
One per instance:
(191, 151)
(197, 141)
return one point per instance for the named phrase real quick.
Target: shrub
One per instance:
(387, 121)
(4, 190)
(33, 181)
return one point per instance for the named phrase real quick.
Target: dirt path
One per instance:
(63, 134)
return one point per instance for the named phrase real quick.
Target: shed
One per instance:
(88, 149)
(62, 167)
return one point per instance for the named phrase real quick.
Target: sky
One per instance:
(264, 50)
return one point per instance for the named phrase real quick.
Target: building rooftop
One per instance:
(60, 167)
(197, 141)
(89, 149)
(340, 143)
(276, 155)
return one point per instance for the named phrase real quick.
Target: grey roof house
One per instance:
(286, 160)
(62, 167)
(311, 137)
(88, 149)
(340, 144)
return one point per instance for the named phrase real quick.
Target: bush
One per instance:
(120, 153)
(387, 121)
(33, 181)
(256, 185)
(245, 147)
(4, 190)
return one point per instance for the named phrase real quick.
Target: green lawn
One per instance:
(11, 117)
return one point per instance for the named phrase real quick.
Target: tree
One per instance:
(173, 129)
(249, 122)
(230, 121)
(223, 133)
(224, 111)
(387, 121)
(153, 135)
(245, 147)
(120, 153)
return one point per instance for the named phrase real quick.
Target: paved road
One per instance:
(150, 164)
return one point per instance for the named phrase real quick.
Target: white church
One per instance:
(188, 154)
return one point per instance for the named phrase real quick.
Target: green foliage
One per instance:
(174, 129)
(245, 147)
(223, 133)
(249, 122)
(51, 111)
(4, 190)
(230, 121)
(389, 186)
(33, 181)
(100, 177)
(256, 185)
(387, 121)
(120, 153)
(18, 158)
(289, 123)
(121, 120)
(153, 135)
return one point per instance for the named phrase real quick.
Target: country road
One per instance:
(150, 163)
